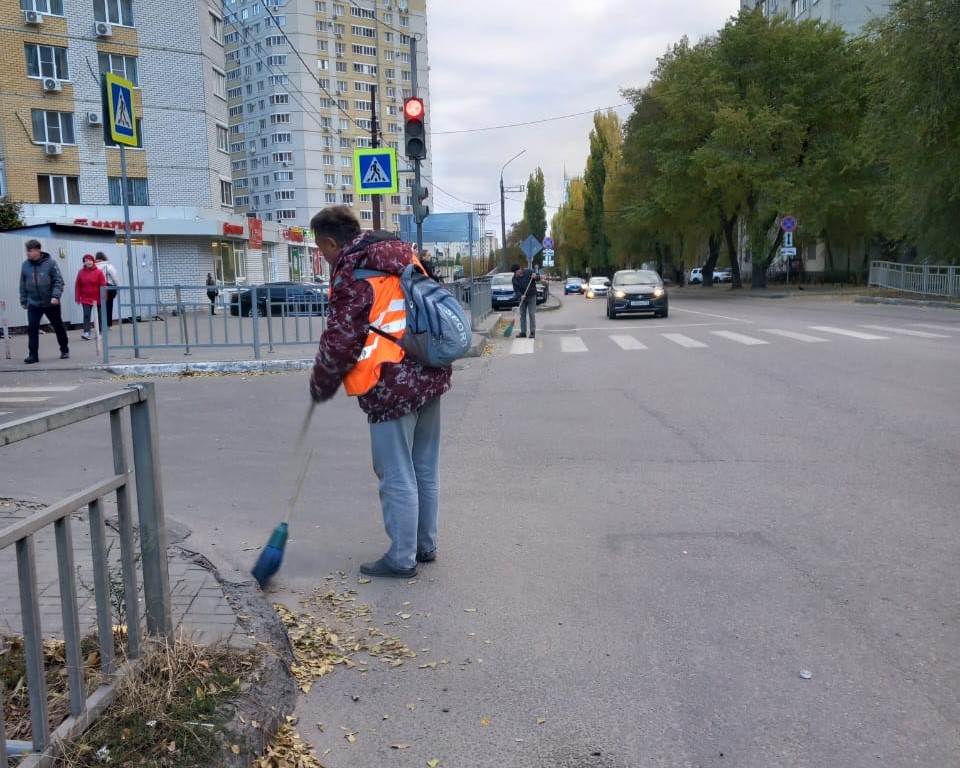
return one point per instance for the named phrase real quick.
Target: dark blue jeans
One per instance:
(34, 316)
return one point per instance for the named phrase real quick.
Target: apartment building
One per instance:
(56, 161)
(300, 75)
(852, 15)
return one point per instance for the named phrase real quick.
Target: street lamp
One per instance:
(503, 216)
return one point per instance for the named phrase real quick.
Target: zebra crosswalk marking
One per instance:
(906, 332)
(683, 341)
(844, 332)
(739, 338)
(627, 343)
(805, 337)
(22, 399)
(931, 326)
(522, 347)
(10, 390)
(572, 344)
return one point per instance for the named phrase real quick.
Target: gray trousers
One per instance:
(528, 307)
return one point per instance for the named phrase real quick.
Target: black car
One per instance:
(637, 290)
(502, 295)
(286, 299)
(543, 290)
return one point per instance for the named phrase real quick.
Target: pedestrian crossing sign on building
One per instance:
(375, 171)
(121, 118)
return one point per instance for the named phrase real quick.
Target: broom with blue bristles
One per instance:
(272, 555)
(508, 331)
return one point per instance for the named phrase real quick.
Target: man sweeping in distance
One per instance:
(400, 396)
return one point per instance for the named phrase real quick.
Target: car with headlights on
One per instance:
(597, 287)
(573, 285)
(637, 290)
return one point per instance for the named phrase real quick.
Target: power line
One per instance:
(530, 122)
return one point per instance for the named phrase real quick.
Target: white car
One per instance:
(597, 287)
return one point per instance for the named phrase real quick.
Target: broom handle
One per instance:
(306, 462)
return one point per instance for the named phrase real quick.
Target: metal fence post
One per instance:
(153, 532)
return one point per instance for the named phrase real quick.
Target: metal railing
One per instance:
(138, 401)
(921, 279)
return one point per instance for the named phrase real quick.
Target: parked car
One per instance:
(597, 287)
(695, 276)
(637, 290)
(573, 285)
(285, 298)
(722, 275)
(502, 295)
(543, 290)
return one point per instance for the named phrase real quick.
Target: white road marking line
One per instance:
(627, 342)
(793, 335)
(844, 332)
(906, 332)
(23, 399)
(522, 347)
(739, 338)
(948, 328)
(11, 390)
(683, 341)
(572, 344)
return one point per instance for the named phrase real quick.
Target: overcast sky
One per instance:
(501, 62)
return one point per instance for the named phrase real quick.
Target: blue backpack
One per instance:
(437, 329)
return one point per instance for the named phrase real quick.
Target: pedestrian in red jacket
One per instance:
(87, 290)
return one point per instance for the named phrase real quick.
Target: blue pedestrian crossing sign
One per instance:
(375, 171)
(121, 118)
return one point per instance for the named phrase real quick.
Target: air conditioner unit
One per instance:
(103, 29)
(52, 85)
(34, 18)
(286, 163)
(329, 186)
(339, 54)
(339, 35)
(94, 118)
(53, 149)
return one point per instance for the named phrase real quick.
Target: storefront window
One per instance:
(299, 269)
(229, 263)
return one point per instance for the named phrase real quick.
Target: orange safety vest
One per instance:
(389, 314)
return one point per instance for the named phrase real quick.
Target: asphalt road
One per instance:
(649, 529)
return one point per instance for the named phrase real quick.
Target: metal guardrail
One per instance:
(140, 403)
(921, 279)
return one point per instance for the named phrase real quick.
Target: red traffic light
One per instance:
(413, 108)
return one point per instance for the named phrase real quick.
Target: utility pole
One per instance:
(482, 210)
(416, 161)
(374, 142)
(503, 215)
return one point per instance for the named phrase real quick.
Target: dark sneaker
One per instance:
(64, 355)
(533, 335)
(382, 567)
(521, 335)
(427, 557)
(31, 360)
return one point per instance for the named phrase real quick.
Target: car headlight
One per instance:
(620, 294)
(657, 293)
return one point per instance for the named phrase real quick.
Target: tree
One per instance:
(569, 229)
(535, 206)
(11, 215)
(913, 128)
(605, 140)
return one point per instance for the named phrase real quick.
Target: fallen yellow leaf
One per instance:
(235, 749)
(433, 762)
(484, 721)
(541, 720)
(399, 746)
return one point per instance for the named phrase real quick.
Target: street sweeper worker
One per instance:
(400, 396)
(525, 285)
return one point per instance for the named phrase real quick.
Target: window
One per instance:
(124, 66)
(58, 189)
(137, 193)
(55, 127)
(220, 83)
(115, 11)
(53, 7)
(283, 176)
(223, 139)
(226, 192)
(279, 98)
(799, 7)
(216, 28)
(285, 194)
(283, 138)
(46, 61)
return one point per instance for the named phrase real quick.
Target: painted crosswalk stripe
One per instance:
(739, 338)
(572, 344)
(522, 347)
(683, 341)
(932, 327)
(806, 337)
(12, 390)
(845, 332)
(906, 332)
(22, 399)
(627, 342)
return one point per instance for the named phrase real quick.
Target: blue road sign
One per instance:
(375, 171)
(548, 242)
(788, 223)
(531, 247)
(121, 119)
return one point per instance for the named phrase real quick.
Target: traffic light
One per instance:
(420, 211)
(414, 131)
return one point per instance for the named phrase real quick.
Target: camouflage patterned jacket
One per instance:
(403, 387)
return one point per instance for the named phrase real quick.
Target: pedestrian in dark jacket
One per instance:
(113, 280)
(400, 396)
(525, 285)
(212, 292)
(41, 286)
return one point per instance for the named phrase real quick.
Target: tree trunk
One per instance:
(728, 235)
(759, 277)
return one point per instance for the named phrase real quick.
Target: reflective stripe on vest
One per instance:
(389, 314)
